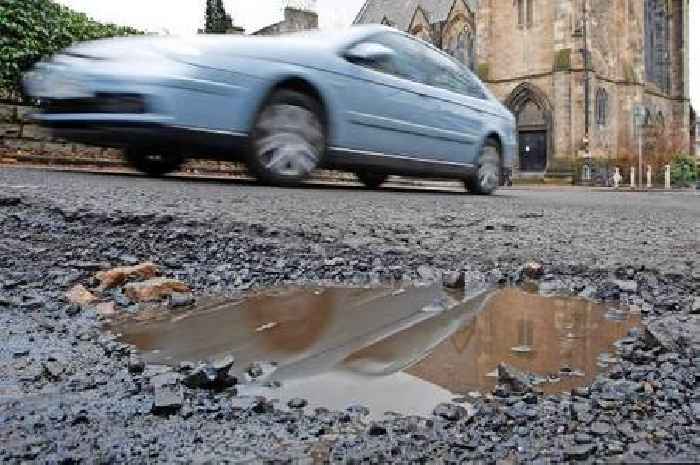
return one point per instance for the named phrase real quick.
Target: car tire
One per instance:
(153, 163)
(371, 180)
(488, 174)
(288, 141)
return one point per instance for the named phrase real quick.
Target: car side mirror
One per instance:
(369, 52)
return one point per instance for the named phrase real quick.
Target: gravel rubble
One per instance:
(71, 393)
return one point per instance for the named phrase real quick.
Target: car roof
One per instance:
(338, 37)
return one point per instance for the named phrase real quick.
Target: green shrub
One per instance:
(33, 29)
(683, 170)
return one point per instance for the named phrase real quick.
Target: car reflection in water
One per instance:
(380, 347)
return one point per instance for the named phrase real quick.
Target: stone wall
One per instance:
(22, 140)
(545, 55)
(295, 20)
(517, 51)
(617, 48)
(541, 53)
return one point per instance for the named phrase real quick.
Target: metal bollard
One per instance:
(667, 177)
(617, 177)
(632, 183)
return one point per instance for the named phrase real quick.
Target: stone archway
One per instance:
(533, 113)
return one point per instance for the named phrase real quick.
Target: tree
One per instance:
(216, 20)
(32, 29)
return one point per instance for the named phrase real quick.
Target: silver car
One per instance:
(370, 100)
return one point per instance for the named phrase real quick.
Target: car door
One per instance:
(462, 108)
(386, 104)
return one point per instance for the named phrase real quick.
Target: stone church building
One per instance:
(531, 55)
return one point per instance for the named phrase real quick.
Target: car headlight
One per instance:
(42, 83)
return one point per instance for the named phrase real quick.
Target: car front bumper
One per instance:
(122, 103)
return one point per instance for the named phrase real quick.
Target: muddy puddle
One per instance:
(392, 350)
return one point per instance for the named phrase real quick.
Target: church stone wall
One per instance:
(544, 50)
(517, 51)
(295, 20)
(617, 43)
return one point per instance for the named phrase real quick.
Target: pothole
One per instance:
(400, 350)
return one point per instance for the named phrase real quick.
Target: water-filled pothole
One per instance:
(391, 350)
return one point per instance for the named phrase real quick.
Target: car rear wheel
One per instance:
(288, 141)
(488, 174)
(371, 180)
(153, 163)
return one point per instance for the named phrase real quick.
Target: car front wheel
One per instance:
(488, 173)
(288, 141)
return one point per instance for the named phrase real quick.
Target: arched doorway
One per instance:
(534, 119)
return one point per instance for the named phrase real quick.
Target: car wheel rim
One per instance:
(488, 171)
(290, 140)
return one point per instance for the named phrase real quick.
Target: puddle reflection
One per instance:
(378, 347)
(542, 335)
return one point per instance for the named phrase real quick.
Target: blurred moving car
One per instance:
(369, 100)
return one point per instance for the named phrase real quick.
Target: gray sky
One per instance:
(186, 16)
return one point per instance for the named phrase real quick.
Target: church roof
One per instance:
(400, 12)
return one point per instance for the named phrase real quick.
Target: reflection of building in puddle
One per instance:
(538, 334)
(375, 334)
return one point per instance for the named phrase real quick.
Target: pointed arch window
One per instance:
(521, 12)
(657, 43)
(462, 47)
(660, 120)
(525, 12)
(601, 107)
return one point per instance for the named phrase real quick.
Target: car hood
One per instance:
(189, 48)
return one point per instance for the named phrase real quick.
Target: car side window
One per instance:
(408, 61)
(447, 73)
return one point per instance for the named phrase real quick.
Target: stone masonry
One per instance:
(22, 140)
(530, 54)
(295, 20)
